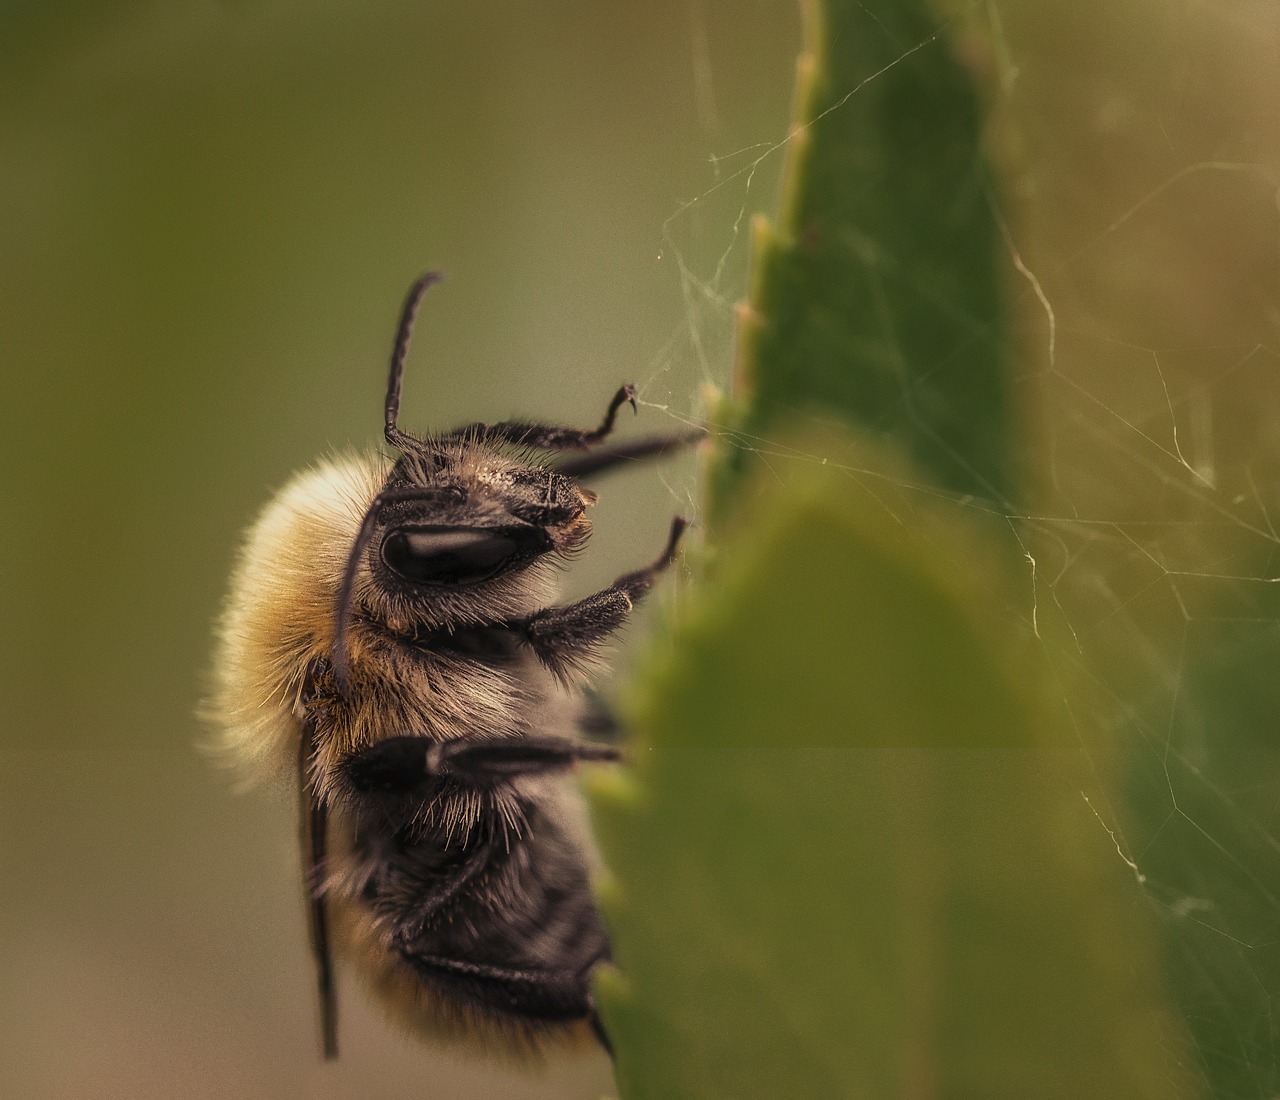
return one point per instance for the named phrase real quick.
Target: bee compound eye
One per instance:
(457, 555)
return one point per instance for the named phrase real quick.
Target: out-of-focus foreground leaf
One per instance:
(852, 858)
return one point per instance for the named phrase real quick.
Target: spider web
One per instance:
(1140, 227)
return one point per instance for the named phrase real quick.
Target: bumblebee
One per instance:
(390, 639)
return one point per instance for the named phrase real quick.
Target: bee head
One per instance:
(457, 523)
(464, 514)
(451, 535)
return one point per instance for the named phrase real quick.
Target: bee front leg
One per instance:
(567, 638)
(546, 437)
(635, 450)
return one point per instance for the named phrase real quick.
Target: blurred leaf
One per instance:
(1204, 787)
(852, 858)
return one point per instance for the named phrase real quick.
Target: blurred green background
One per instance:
(209, 214)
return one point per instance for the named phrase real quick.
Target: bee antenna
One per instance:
(346, 589)
(413, 299)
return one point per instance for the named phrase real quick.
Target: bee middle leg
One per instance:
(410, 768)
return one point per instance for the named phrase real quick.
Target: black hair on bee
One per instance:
(389, 638)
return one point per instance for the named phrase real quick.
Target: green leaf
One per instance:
(877, 295)
(852, 857)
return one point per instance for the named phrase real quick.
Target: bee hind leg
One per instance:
(525, 996)
(313, 826)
